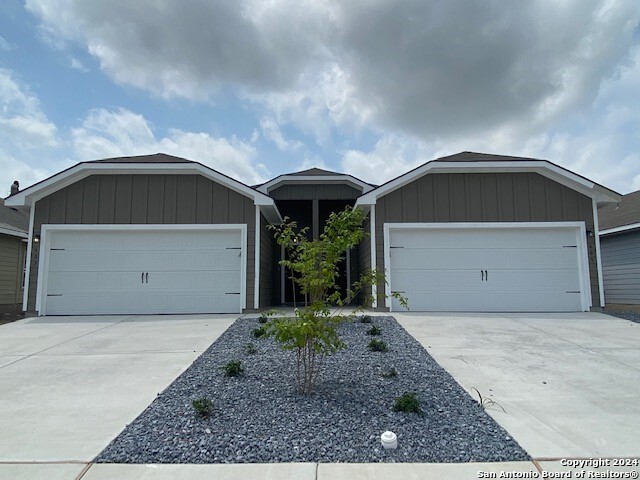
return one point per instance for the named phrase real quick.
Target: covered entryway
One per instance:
(519, 267)
(131, 269)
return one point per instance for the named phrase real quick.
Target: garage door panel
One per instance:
(406, 280)
(95, 304)
(480, 258)
(547, 281)
(470, 238)
(194, 281)
(101, 272)
(220, 259)
(77, 261)
(93, 281)
(528, 269)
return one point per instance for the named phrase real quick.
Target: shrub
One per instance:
(313, 265)
(407, 403)
(375, 330)
(263, 318)
(250, 348)
(391, 373)
(233, 368)
(377, 345)
(365, 319)
(259, 332)
(203, 407)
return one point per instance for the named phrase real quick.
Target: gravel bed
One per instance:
(259, 418)
(626, 314)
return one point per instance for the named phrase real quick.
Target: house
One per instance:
(13, 248)
(620, 240)
(161, 234)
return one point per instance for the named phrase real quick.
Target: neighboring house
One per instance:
(160, 234)
(13, 247)
(620, 240)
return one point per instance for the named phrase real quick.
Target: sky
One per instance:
(371, 88)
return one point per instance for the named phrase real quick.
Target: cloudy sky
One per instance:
(368, 87)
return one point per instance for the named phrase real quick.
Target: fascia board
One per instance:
(544, 168)
(83, 170)
(623, 228)
(13, 233)
(299, 179)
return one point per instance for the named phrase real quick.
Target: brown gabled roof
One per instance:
(627, 212)
(154, 158)
(483, 157)
(13, 218)
(314, 172)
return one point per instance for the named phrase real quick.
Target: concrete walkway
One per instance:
(69, 385)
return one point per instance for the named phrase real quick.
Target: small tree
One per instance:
(312, 332)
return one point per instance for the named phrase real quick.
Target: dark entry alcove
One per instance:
(312, 214)
(300, 211)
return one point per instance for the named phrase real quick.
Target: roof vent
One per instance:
(15, 187)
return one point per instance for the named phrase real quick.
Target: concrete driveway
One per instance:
(69, 385)
(570, 383)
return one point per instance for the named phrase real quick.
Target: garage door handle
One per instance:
(482, 275)
(486, 275)
(147, 277)
(142, 277)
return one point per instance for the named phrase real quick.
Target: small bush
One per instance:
(250, 348)
(377, 345)
(375, 330)
(203, 407)
(233, 368)
(391, 373)
(259, 332)
(407, 403)
(263, 318)
(365, 319)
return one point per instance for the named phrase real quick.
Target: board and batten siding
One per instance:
(315, 191)
(12, 251)
(621, 267)
(364, 257)
(484, 197)
(269, 268)
(145, 199)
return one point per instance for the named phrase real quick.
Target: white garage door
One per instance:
(487, 269)
(143, 271)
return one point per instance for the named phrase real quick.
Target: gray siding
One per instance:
(315, 192)
(145, 199)
(269, 268)
(485, 197)
(364, 256)
(11, 260)
(621, 267)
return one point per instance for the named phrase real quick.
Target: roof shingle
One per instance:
(627, 212)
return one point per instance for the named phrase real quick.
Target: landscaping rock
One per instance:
(258, 417)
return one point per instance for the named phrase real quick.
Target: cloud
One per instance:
(14, 169)
(78, 65)
(4, 45)
(271, 130)
(392, 156)
(23, 124)
(106, 133)
(433, 69)
(191, 49)
(542, 78)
